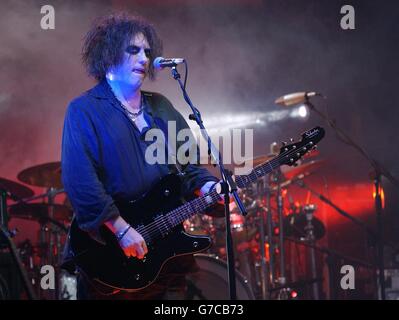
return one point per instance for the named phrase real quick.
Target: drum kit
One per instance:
(265, 239)
(53, 219)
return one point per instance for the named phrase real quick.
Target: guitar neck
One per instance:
(200, 204)
(289, 154)
(189, 209)
(258, 172)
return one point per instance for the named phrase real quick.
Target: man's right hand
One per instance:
(133, 244)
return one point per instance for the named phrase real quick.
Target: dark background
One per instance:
(242, 56)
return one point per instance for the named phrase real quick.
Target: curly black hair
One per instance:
(106, 41)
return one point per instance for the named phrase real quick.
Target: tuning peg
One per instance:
(291, 139)
(283, 144)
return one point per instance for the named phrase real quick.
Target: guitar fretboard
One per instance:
(163, 224)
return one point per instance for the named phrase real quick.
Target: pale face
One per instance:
(134, 67)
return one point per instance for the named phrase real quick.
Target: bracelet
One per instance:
(213, 186)
(121, 234)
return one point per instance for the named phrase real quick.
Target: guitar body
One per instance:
(106, 264)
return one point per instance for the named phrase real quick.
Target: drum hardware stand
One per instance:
(309, 228)
(228, 184)
(5, 236)
(262, 240)
(269, 221)
(50, 238)
(55, 240)
(331, 256)
(379, 172)
(356, 221)
(282, 280)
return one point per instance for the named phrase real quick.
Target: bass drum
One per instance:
(211, 281)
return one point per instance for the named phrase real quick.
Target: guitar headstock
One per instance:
(291, 153)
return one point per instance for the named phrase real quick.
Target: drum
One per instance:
(199, 225)
(211, 281)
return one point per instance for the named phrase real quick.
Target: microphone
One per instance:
(161, 62)
(295, 98)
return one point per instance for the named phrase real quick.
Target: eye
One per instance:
(148, 53)
(133, 49)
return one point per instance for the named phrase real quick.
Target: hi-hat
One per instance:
(46, 175)
(295, 226)
(15, 189)
(40, 211)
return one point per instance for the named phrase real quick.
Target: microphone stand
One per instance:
(379, 171)
(227, 182)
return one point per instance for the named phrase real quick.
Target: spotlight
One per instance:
(303, 111)
(300, 112)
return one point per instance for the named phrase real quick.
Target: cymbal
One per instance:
(294, 226)
(46, 175)
(40, 211)
(305, 168)
(15, 188)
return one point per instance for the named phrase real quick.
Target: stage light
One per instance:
(382, 194)
(300, 112)
(303, 111)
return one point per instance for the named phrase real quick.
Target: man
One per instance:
(104, 146)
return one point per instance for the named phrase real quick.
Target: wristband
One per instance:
(122, 233)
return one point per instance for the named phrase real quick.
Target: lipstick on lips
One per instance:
(139, 70)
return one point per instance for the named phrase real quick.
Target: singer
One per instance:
(103, 149)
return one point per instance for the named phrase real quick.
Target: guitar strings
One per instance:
(153, 229)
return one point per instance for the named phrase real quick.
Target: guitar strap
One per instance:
(173, 166)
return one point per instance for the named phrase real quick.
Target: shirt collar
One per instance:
(103, 91)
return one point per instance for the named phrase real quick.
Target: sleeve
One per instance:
(195, 176)
(81, 171)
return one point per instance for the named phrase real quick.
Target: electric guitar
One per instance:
(158, 216)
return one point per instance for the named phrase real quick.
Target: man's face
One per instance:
(134, 67)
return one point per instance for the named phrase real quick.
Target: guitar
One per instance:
(158, 216)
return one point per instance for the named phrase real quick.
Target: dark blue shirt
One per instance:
(103, 154)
